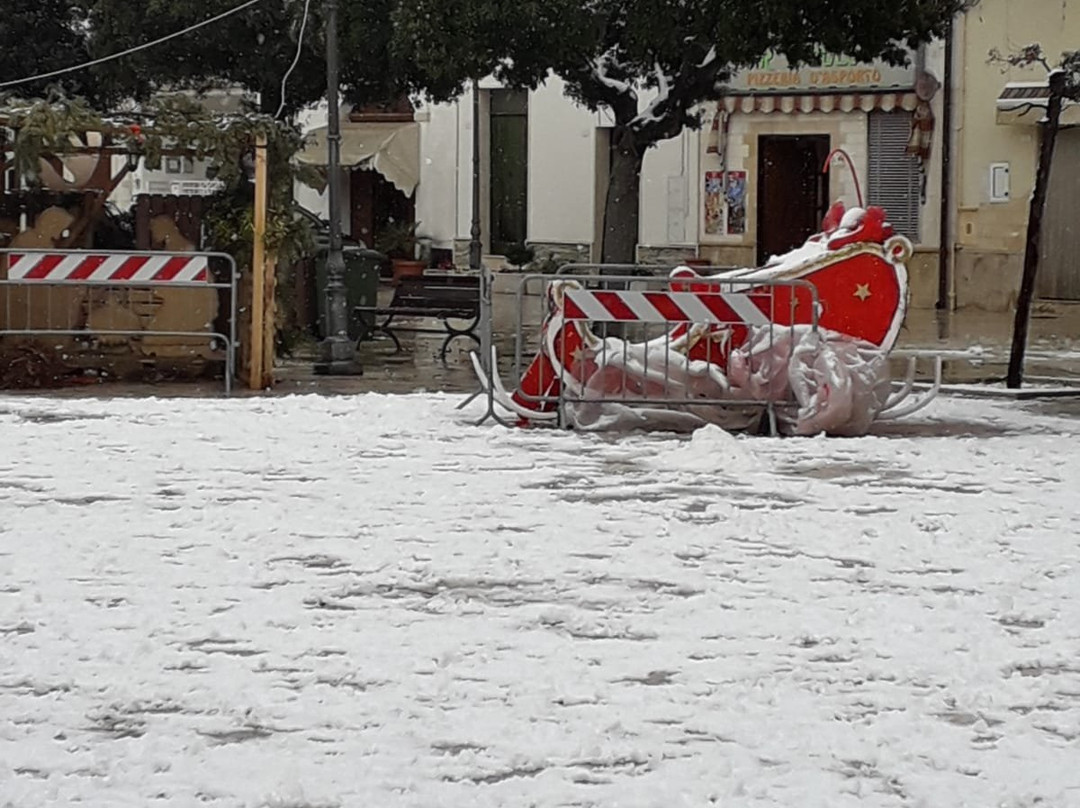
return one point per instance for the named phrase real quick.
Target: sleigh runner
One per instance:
(804, 339)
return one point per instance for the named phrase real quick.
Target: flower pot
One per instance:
(407, 267)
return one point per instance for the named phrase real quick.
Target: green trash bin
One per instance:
(362, 269)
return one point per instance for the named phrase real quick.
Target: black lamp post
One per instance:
(476, 247)
(336, 352)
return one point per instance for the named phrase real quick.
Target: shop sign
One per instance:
(773, 74)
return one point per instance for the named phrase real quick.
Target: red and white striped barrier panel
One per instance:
(714, 308)
(106, 268)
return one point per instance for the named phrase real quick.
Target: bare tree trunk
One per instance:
(621, 211)
(1034, 232)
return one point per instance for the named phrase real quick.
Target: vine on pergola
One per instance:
(177, 125)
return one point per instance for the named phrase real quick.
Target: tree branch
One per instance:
(669, 113)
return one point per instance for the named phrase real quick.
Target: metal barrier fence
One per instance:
(654, 313)
(636, 270)
(609, 277)
(92, 295)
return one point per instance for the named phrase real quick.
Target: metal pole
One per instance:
(476, 247)
(336, 353)
(1032, 246)
(945, 232)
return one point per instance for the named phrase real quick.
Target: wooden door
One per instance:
(509, 168)
(793, 192)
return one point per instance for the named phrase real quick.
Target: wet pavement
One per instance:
(975, 346)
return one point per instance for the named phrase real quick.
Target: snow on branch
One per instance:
(600, 68)
(663, 86)
(1033, 54)
(1024, 57)
(652, 113)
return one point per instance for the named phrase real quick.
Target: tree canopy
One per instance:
(39, 36)
(608, 51)
(252, 49)
(178, 125)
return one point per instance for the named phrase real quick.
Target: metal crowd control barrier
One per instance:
(637, 270)
(651, 309)
(32, 280)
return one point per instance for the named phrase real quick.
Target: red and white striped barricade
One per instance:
(812, 328)
(685, 334)
(108, 268)
(61, 293)
(715, 308)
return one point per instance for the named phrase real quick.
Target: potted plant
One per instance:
(398, 242)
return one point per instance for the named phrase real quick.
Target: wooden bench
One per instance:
(437, 296)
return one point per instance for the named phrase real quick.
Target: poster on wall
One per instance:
(714, 202)
(735, 198)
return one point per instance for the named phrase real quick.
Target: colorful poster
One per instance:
(714, 202)
(735, 198)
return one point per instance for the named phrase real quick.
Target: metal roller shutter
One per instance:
(895, 178)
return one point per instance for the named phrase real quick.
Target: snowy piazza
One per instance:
(209, 603)
(468, 404)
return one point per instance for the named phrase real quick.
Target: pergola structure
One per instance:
(78, 159)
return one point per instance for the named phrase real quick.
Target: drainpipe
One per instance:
(945, 238)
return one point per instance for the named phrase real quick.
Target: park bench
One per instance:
(439, 296)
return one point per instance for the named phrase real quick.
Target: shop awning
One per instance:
(1025, 102)
(391, 148)
(822, 102)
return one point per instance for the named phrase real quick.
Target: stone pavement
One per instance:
(976, 345)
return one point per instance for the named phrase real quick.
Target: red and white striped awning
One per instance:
(825, 102)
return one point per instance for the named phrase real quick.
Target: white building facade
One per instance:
(560, 211)
(747, 185)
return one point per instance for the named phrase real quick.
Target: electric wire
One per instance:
(129, 51)
(296, 60)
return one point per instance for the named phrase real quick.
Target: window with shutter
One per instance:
(895, 179)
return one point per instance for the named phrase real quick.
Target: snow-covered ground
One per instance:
(361, 601)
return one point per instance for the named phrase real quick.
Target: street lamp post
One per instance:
(336, 353)
(476, 247)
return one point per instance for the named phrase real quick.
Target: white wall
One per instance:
(669, 192)
(930, 213)
(318, 202)
(562, 201)
(437, 200)
(562, 155)
(561, 167)
(123, 197)
(461, 212)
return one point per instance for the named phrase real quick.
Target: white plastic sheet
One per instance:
(820, 382)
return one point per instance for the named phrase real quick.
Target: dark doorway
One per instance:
(793, 193)
(376, 203)
(509, 168)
